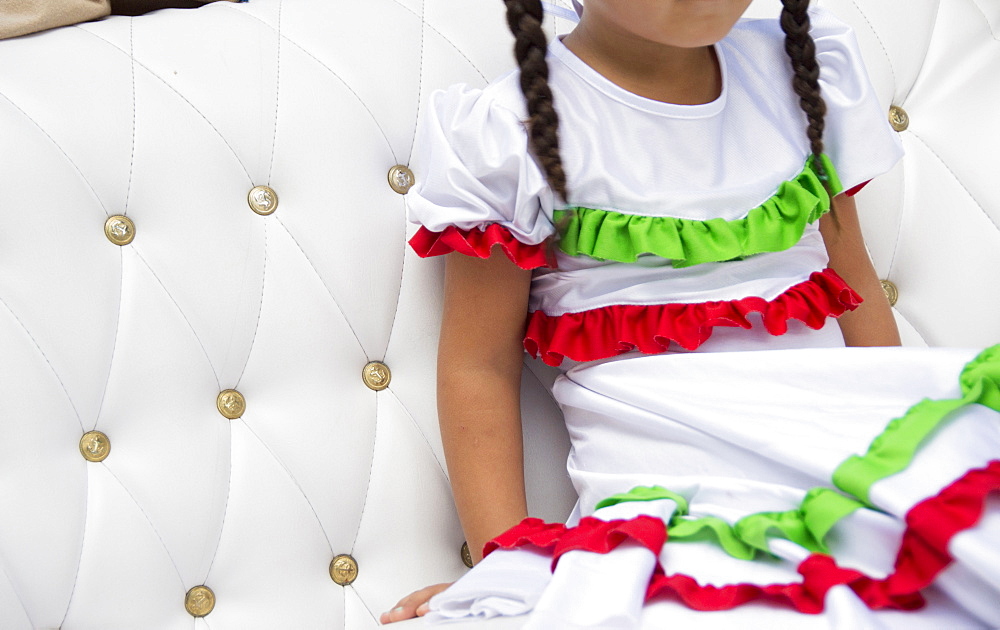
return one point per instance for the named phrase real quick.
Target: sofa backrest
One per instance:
(315, 494)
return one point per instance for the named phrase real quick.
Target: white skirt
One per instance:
(798, 488)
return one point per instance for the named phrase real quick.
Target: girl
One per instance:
(683, 183)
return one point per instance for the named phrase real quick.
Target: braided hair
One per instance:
(802, 51)
(524, 17)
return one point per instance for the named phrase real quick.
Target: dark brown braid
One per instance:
(802, 51)
(525, 20)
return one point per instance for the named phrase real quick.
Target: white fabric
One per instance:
(582, 283)
(507, 582)
(716, 160)
(781, 424)
(740, 415)
(592, 590)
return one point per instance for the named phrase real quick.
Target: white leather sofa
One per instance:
(324, 498)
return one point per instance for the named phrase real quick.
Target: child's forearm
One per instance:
(481, 430)
(479, 374)
(872, 323)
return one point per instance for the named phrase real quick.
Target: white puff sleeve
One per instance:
(477, 186)
(858, 137)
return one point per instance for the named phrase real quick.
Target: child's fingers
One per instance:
(413, 605)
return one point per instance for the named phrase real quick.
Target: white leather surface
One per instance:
(171, 118)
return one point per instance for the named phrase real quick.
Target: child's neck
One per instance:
(685, 76)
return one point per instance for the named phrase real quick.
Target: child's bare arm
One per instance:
(871, 324)
(479, 373)
(479, 376)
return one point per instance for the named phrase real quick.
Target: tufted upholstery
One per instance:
(170, 119)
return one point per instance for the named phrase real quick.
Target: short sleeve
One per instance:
(476, 184)
(858, 138)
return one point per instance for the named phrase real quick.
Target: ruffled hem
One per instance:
(775, 225)
(820, 573)
(595, 535)
(479, 243)
(922, 555)
(611, 330)
(530, 531)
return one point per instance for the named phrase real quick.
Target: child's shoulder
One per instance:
(764, 35)
(499, 102)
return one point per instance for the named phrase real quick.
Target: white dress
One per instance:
(714, 473)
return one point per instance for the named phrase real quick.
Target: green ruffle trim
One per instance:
(822, 508)
(646, 493)
(774, 226)
(806, 526)
(894, 448)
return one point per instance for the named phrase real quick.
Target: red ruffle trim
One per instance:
(479, 243)
(923, 554)
(605, 332)
(530, 531)
(593, 534)
(820, 573)
(856, 189)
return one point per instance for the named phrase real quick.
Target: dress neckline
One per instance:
(611, 89)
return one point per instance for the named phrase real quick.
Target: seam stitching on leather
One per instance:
(899, 228)
(225, 506)
(47, 362)
(184, 316)
(20, 599)
(260, 309)
(979, 205)
(114, 344)
(926, 51)
(76, 168)
(445, 38)
(351, 90)
(329, 291)
(989, 24)
(413, 421)
(357, 596)
(331, 71)
(295, 482)
(166, 550)
(885, 51)
(277, 93)
(131, 160)
(420, 78)
(368, 484)
(183, 98)
(83, 541)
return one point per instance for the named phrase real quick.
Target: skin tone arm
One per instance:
(479, 361)
(872, 323)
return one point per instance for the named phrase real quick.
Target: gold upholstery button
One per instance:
(898, 118)
(94, 446)
(466, 555)
(891, 292)
(119, 229)
(376, 375)
(344, 569)
(231, 403)
(263, 200)
(401, 179)
(199, 601)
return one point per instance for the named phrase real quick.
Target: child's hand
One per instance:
(413, 605)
